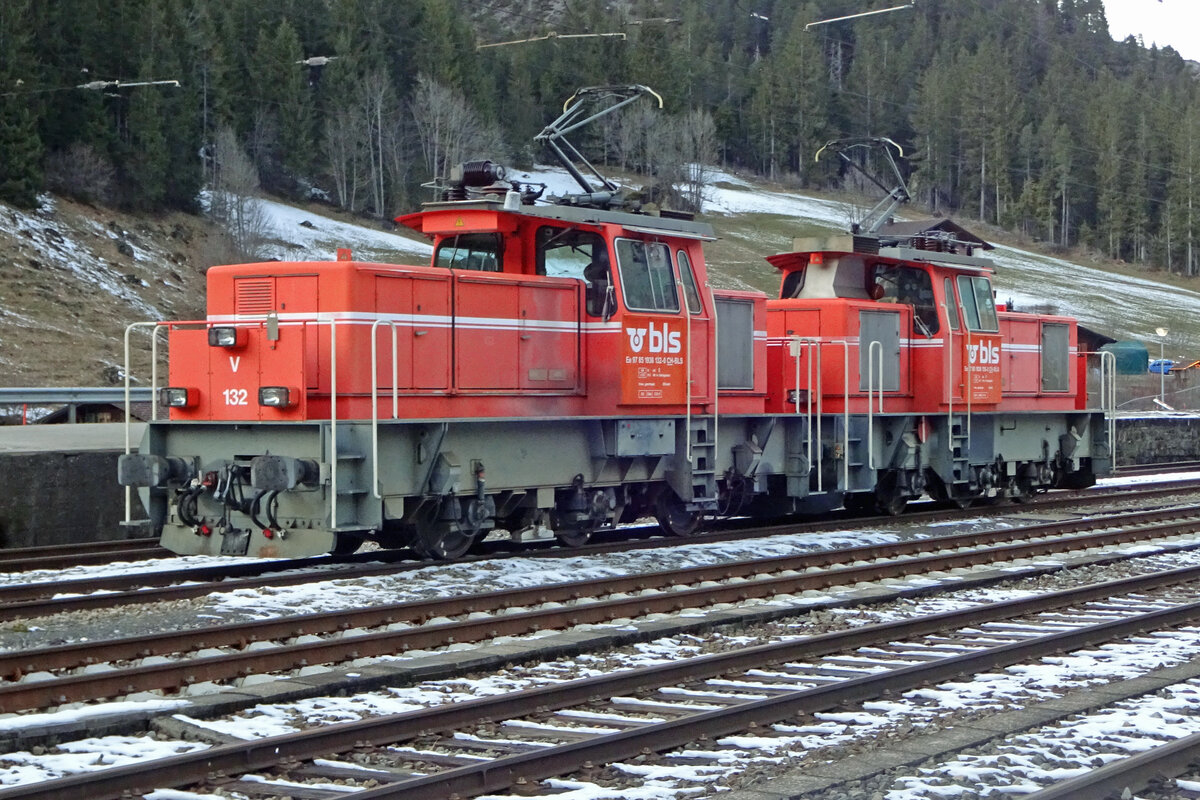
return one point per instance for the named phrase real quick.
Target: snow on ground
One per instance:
(1031, 761)
(115, 568)
(1133, 480)
(445, 580)
(55, 247)
(304, 235)
(87, 755)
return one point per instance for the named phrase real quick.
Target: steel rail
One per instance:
(22, 559)
(16, 609)
(43, 693)
(26, 600)
(67, 560)
(324, 740)
(506, 771)
(738, 568)
(1132, 773)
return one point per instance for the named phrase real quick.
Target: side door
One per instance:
(665, 350)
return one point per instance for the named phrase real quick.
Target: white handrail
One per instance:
(375, 396)
(810, 345)
(872, 348)
(333, 459)
(1108, 396)
(1111, 411)
(687, 321)
(716, 377)
(153, 392)
(845, 413)
(968, 385)
(949, 387)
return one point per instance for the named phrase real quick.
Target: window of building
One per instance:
(647, 281)
(482, 252)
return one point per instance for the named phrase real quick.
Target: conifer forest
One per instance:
(1023, 114)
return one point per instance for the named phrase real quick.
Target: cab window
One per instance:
(979, 310)
(951, 306)
(688, 278)
(482, 252)
(912, 286)
(571, 253)
(647, 280)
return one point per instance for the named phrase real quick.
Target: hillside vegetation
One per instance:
(1021, 113)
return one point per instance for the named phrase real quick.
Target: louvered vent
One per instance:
(255, 296)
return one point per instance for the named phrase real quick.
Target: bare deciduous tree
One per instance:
(376, 104)
(345, 147)
(448, 128)
(81, 172)
(235, 203)
(698, 149)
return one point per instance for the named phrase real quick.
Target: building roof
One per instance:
(943, 229)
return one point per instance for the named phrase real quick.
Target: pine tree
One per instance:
(286, 150)
(20, 146)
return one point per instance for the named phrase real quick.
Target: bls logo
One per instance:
(984, 353)
(661, 341)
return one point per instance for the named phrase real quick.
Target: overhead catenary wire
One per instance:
(552, 35)
(856, 16)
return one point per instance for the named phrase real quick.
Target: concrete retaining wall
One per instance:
(60, 498)
(1157, 439)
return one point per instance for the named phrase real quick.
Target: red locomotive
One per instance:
(564, 367)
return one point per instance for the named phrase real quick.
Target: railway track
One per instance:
(34, 599)
(514, 740)
(1163, 467)
(25, 559)
(42, 678)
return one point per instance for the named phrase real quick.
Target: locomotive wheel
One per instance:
(889, 497)
(442, 541)
(573, 537)
(941, 493)
(344, 545)
(859, 503)
(673, 517)
(1025, 491)
(893, 505)
(438, 539)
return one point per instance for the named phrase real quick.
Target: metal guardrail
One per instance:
(68, 395)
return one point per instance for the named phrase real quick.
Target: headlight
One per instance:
(226, 337)
(178, 396)
(276, 396)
